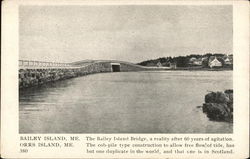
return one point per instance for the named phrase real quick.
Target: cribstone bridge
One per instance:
(32, 73)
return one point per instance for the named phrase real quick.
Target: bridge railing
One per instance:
(30, 64)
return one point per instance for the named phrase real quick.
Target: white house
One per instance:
(214, 63)
(159, 64)
(191, 60)
(173, 65)
(197, 62)
(227, 61)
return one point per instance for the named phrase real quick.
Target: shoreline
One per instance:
(189, 69)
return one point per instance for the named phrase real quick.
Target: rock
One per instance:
(222, 98)
(210, 98)
(219, 106)
(215, 111)
(217, 97)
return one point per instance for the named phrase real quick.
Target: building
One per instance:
(191, 60)
(204, 58)
(195, 61)
(159, 64)
(173, 65)
(214, 62)
(227, 61)
(198, 62)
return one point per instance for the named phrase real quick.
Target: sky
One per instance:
(132, 33)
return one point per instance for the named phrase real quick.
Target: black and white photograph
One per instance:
(132, 69)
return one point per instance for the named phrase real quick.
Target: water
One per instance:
(124, 102)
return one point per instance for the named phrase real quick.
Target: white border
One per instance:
(9, 79)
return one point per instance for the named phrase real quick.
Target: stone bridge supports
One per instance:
(33, 77)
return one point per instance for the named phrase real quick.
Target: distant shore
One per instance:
(204, 69)
(188, 69)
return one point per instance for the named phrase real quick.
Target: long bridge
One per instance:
(33, 73)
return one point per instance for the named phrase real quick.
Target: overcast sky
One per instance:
(127, 33)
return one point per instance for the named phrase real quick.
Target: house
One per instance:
(204, 58)
(159, 64)
(195, 62)
(214, 62)
(227, 61)
(173, 65)
(191, 60)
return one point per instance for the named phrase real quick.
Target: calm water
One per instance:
(124, 102)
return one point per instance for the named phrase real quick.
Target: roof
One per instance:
(214, 60)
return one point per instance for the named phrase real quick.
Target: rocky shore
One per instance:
(219, 106)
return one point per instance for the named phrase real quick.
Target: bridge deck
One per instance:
(28, 64)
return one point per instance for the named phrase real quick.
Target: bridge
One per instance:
(32, 73)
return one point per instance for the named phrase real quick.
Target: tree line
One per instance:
(183, 61)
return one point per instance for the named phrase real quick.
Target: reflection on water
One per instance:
(124, 102)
